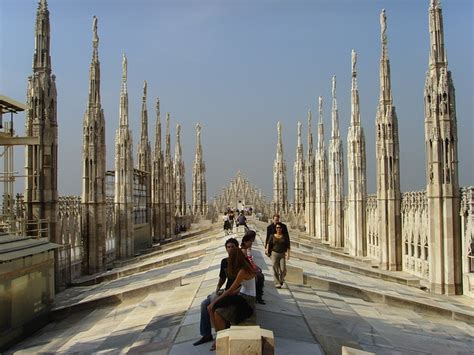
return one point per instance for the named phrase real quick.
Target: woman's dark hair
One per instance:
(249, 236)
(238, 261)
(233, 241)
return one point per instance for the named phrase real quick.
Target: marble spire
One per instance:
(356, 242)
(179, 175)
(280, 185)
(144, 148)
(199, 198)
(442, 179)
(336, 178)
(124, 176)
(157, 185)
(388, 239)
(169, 182)
(321, 180)
(298, 171)
(93, 168)
(309, 182)
(41, 191)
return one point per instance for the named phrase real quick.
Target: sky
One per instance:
(237, 68)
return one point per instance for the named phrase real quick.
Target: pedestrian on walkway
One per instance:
(271, 229)
(205, 323)
(242, 221)
(246, 246)
(227, 227)
(279, 250)
(234, 306)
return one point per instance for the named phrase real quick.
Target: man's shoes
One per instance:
(260, 301)
(204, 339)
(277, 285)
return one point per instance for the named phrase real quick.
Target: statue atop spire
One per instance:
(334, 114)
(95, 38)
(383, 27)
(124, 73)
(354, 62)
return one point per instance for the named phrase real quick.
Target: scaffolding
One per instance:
(12, 218)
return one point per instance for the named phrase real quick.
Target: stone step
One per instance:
(321, 254)
(119, 329)
(91, 300)
(398, 277)
(151, 260)
(419, 301)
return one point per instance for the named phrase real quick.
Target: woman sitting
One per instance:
(246, 247)
(234, 306)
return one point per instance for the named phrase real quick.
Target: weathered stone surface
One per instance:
(245, 340)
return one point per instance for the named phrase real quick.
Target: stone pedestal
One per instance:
(245, 340)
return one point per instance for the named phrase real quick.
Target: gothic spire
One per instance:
(124, 94)
(198, 142)
(320, 125)
(94, 71)
(355, 113)
(144, 128)
(335, 114)
(299, 147)
(168, 137)
(279, 154)
(41, 57)
(310, 135)
(177, 151)
(158, 128)
(385, 86)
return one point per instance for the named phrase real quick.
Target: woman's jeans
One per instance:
(279, 267)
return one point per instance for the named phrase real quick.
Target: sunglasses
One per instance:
(278, 227)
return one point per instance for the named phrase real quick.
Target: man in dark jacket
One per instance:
(205, 324)
(271, 229)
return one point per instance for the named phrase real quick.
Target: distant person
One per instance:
(229, 307)
(227, 227)
(231, 220)
(279, 250)
(242, 220)
(205, 323)
(246, 246)
(271, 229)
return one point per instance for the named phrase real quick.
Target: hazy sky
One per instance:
(238, 67)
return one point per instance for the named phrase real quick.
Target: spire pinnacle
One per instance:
(41, 57)
(385, 85)
(320, 124)
(144, 132)
(158, 129)
(335, 115)
(177, 153)
(168, 137)
(310, 134)
(355, 115)
(95, 37)
(438, 57)
(124, 73)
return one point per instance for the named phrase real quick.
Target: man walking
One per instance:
(205, 324)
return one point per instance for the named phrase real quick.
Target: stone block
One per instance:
(245, 340)
(294, 274)
(351, 351)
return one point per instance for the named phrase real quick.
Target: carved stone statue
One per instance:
(354, 60)
(279, 130)
(383, 26)
(299, 129)
(124, 65)
(178, 131)
(198, 130)
(333, 86)
(320, 102)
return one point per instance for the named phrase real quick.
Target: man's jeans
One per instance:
(205, 325)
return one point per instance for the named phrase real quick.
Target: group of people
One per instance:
(229, 218)
(244, 280)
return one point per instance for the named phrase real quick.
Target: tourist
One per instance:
(231, 220)
(279, 250)
(227, 227)
(271, 230)
(246, 247)
(242, 221)
(205, 324)
(229, 307)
